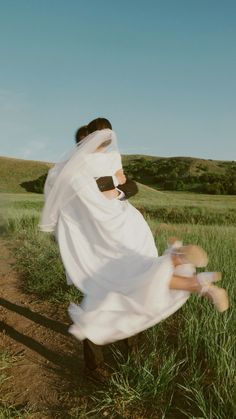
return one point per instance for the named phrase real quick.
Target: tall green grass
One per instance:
(179, 207)
(190, 214)
(185, 366)
(38, 260)
(170, 207)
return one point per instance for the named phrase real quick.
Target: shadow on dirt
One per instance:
(35, 317)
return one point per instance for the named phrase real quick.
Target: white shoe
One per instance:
(205, 278)
(187, 270)
(192, 253)
(218, 296)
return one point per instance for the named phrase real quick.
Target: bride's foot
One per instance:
(218, 296)
(192, 254)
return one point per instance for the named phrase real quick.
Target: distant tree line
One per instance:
(35, 185)
(175, 174)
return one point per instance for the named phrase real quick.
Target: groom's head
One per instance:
(95, 125)
(98, 124)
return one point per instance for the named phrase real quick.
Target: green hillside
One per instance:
(172, 173)
(183, 173)
(195, 165)
(15, 172)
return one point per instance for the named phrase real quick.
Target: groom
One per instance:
(126, 187)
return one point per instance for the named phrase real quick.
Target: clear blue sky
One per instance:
(163, 72)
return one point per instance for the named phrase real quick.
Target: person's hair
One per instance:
(81, 133)
(98, 124)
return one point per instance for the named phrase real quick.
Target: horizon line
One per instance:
(127, 154)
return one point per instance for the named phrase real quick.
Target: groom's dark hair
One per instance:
(81, 133)
(98, 124)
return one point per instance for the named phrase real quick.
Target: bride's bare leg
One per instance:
(218, 296)
(190, 284)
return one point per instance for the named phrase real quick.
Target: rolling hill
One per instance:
(173, 173)
(183, 173)
(15, 172)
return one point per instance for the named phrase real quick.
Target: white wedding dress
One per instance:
(109, 253)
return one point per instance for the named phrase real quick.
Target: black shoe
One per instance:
(101, 374)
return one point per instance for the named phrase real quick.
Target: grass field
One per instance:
(186, 365)
(169, 207)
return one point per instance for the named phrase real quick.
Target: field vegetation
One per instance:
(185, 366)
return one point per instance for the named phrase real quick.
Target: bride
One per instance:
(109, 253)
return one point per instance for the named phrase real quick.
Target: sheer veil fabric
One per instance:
(107, 249)
(75, 169)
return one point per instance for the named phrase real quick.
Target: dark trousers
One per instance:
(93, 354)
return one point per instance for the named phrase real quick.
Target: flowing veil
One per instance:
(59, 186)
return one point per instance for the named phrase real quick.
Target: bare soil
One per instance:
(47, 373)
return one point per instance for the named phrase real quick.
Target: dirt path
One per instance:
(47, 373)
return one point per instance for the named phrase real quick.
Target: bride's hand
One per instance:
(112, 194)
(120, 177)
